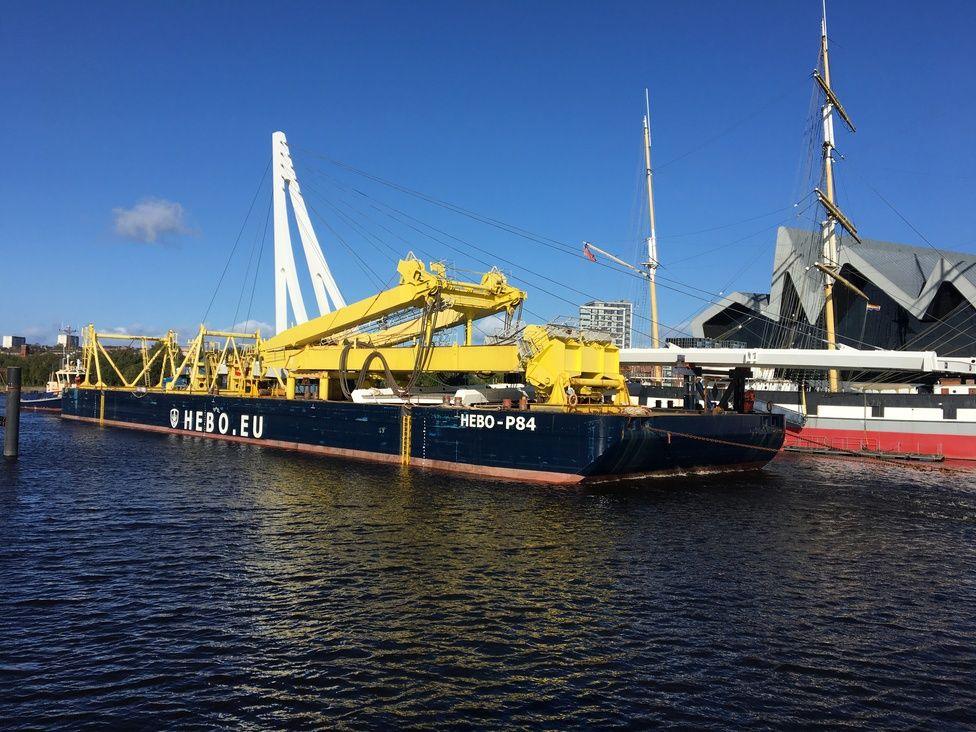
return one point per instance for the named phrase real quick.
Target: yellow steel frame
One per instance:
(203, 362)
(94, 354)
(206, 359)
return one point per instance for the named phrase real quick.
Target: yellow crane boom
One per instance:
(457, 302)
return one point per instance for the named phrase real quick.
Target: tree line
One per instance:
(36, 368)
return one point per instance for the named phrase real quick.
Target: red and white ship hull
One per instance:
(954, 441)
(942, 425)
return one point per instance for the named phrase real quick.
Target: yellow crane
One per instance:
(383, 338)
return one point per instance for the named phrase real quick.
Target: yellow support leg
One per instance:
(405, 430)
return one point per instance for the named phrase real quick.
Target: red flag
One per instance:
(587, 253)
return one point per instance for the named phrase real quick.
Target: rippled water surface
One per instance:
(172, 581)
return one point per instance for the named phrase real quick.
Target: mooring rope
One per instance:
(716, 440)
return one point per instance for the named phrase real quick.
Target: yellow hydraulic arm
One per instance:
(456, 302)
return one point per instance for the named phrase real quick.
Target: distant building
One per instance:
(12, 341)
(67, 340)
(613, 317)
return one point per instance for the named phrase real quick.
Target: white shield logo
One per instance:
(174, 417)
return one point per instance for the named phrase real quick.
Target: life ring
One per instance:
(572, 400)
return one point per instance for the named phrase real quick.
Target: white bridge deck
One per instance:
(843, 358)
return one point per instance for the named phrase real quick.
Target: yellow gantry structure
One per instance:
(386, 336)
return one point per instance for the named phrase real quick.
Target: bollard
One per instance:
(12, 430)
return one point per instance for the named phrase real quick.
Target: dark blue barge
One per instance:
(535, 445)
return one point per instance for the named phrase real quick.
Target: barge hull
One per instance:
(534, 445)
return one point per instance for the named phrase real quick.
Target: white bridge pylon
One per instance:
(283, 179)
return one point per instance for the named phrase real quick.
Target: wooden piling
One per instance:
(11, 441)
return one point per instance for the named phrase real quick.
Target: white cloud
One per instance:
(249, 326)
(131, 329)
(150, 220)
(40, 334)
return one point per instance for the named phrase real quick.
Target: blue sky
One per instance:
(526, 112)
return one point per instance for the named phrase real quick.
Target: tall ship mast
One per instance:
(652, 261)
(829, 264)
(648, 268)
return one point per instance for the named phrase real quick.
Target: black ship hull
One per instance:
(533, 445)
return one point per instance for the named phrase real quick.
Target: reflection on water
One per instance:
(173, 580)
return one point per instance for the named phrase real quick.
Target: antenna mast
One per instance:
(652, 261)
(829, 264)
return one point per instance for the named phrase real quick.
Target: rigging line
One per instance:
(899, 215)
(489, 264)
(497, 223)
(752, 115)
(927, 331)
(767, 320)
(733, 278)
(791, 324)
(237, 241)
(668, 237)
(554, 244)
(711, 250)
(362, 214)
(944, 320)
(671, 328)
(939, 340)
(716, 296)
(738, 274)
(363, 265)
(247, 271)
(381, 285)
(574, 254)
(787, 323)
(373, 240)
(906, 305)
(511, 228)
(507, 261)
(257, 266)
(516, 230)
(366, 268)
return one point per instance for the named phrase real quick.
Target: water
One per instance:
(177, 582)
